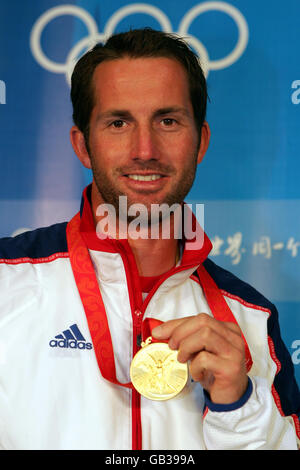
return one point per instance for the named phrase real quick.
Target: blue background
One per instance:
(249, 179)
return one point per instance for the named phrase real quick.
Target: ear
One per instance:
(205, 137)
(78, 144)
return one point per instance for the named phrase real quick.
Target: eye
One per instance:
(168, 122)
(118, 123)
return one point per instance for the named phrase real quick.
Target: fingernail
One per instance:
(157, 331)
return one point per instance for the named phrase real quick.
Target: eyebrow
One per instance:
(124, 113)
(172, 109)
(114, 113)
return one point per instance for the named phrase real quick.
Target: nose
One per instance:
(144, 145)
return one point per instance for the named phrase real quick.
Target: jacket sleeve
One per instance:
(267, 416)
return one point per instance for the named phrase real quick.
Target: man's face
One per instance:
(143, 141)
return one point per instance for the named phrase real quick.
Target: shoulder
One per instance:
(42, 243)
(245, 294)
(234, 286)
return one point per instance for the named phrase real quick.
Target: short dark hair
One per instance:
(137, 43)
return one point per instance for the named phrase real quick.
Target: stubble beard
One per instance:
(110, 194)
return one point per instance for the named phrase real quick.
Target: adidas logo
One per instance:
(71, 338)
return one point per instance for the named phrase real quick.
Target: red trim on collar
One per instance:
(88, 229)
(194, 252)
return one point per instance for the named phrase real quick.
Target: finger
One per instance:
(222, 369)
(204, 367)
(203, 324)
(209, 340)
(234, 327)
(227, 379)
(165, 330)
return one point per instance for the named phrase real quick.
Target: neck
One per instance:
(153, 256)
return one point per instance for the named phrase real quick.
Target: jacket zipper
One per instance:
(137, 316)
(136, 397)
(137, 327)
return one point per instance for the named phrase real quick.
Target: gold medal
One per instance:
(155, 372)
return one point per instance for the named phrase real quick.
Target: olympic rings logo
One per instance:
(95, 36)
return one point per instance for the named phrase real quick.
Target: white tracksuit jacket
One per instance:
(52, 393)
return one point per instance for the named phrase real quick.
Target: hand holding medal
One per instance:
(215, 351)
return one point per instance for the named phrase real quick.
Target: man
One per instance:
(77, 304)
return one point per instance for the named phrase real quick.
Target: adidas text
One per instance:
(73, 344)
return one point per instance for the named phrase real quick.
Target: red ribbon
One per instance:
(92, 302)
(219, 306)
(147, 326)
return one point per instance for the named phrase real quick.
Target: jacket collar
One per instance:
(194, 252)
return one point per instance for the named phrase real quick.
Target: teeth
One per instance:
(144, 177)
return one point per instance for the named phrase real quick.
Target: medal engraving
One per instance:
(155, 372)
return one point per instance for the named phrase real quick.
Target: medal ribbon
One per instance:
(94, 308)
(219, 306)
(147, 326)
(92, 301)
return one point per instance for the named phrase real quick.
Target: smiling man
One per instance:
(143, 143)
(155, 346)
(143, 140)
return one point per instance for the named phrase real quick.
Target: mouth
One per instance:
(145, 183)
(139, 177)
